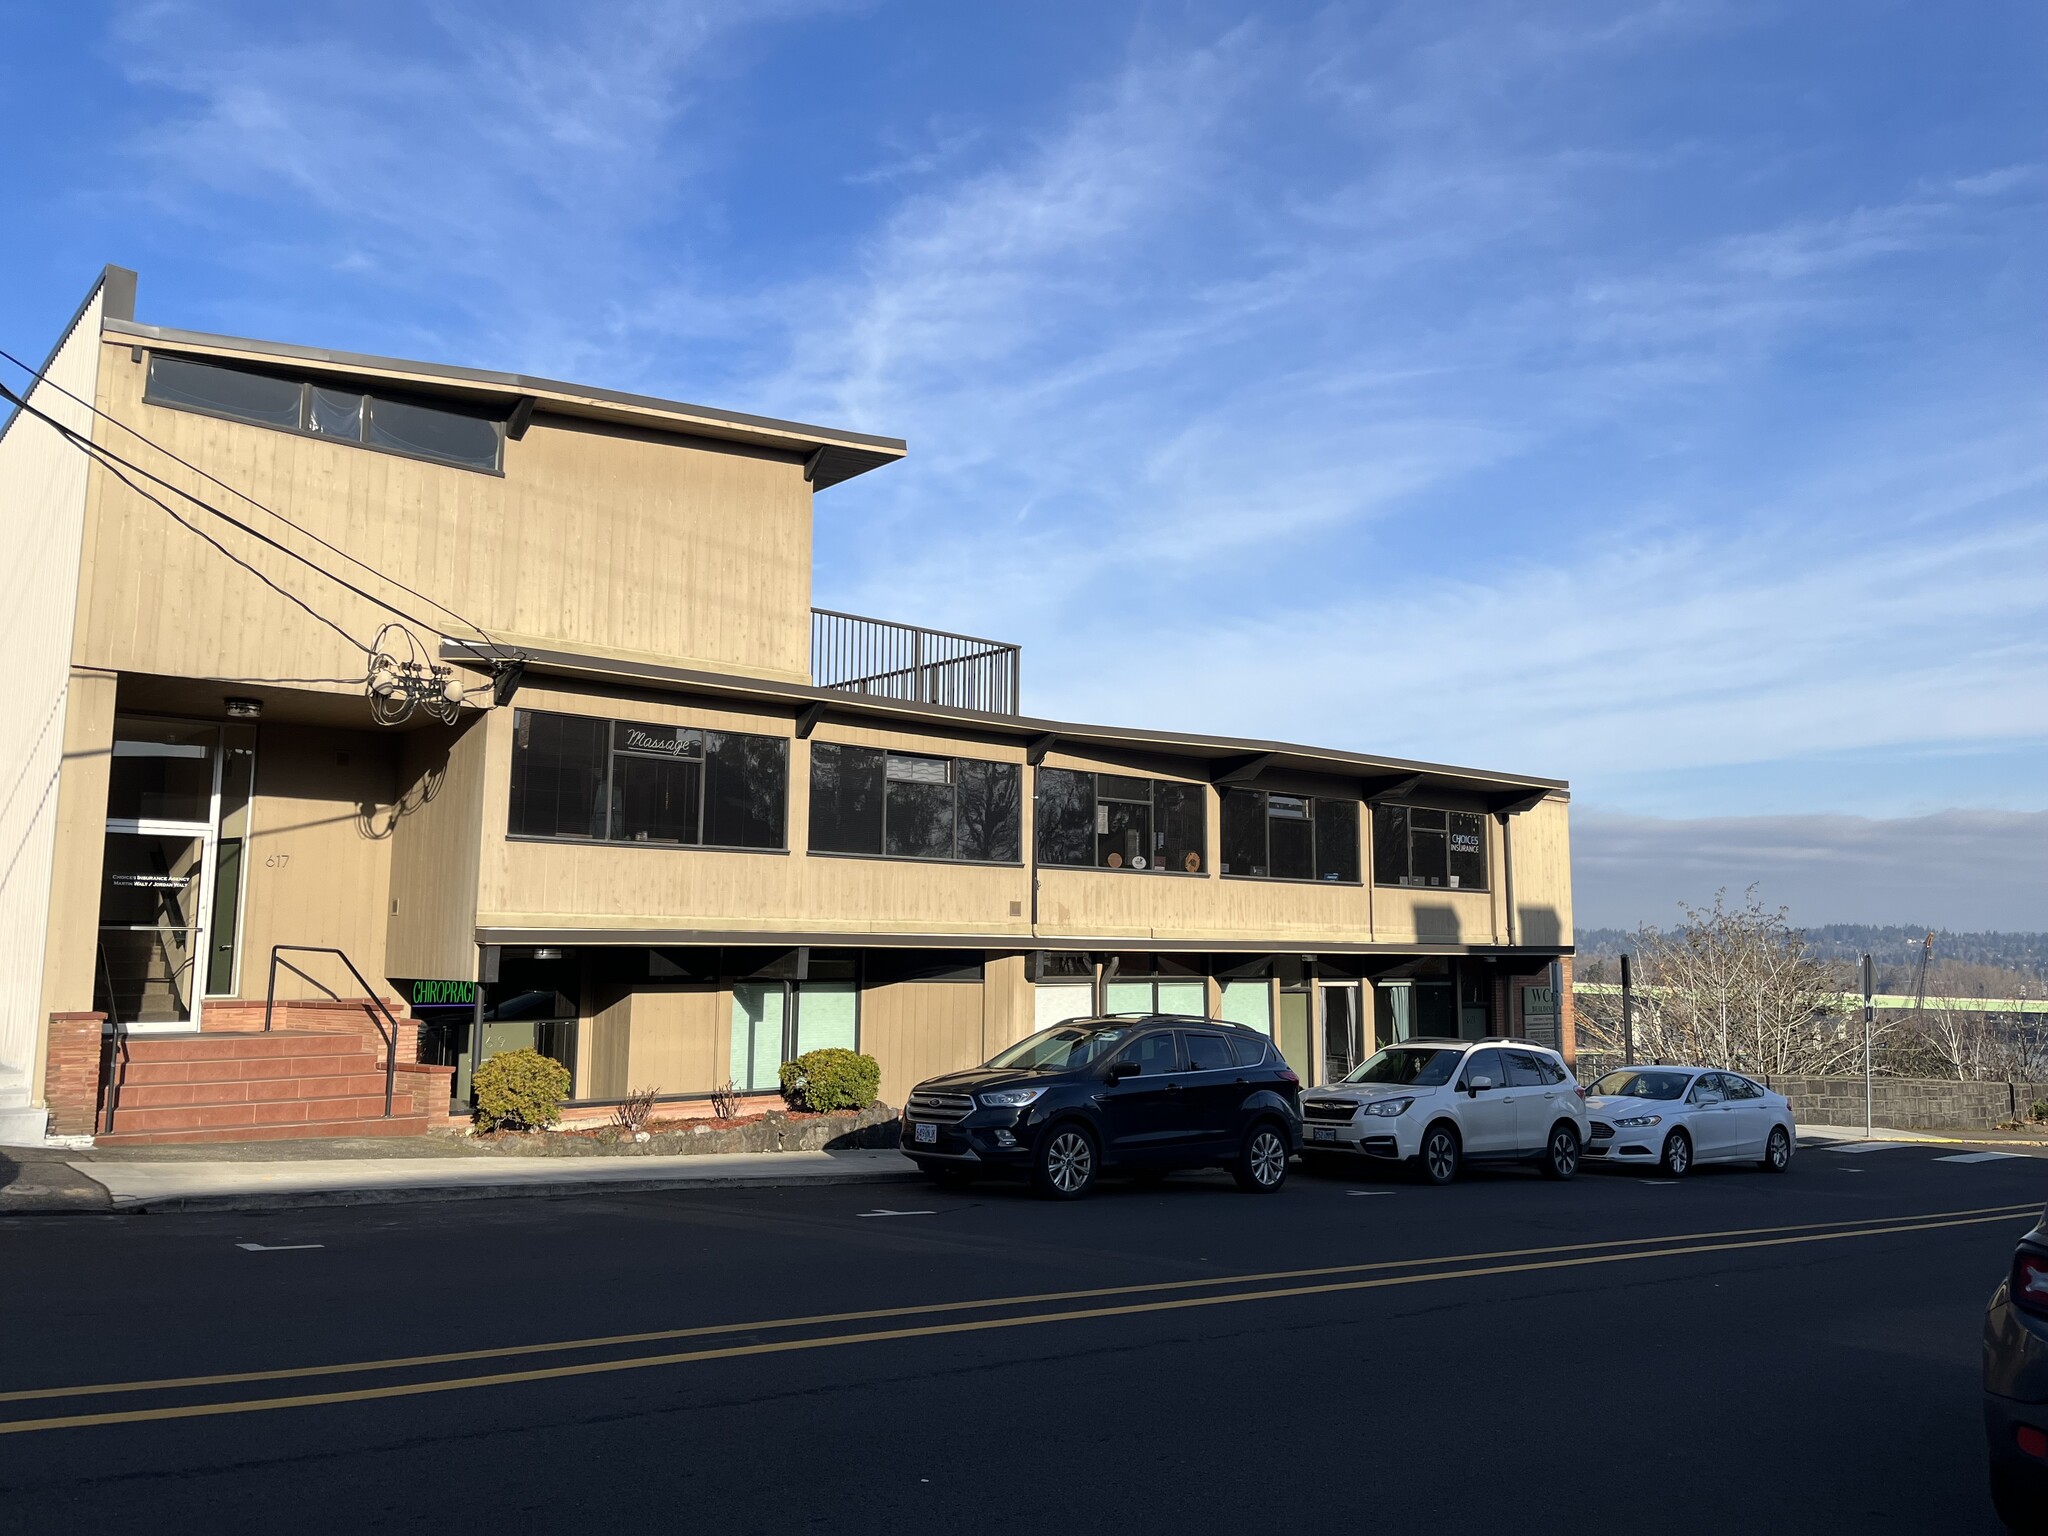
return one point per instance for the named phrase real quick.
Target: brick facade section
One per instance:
(349, 1016)
(71, 1073)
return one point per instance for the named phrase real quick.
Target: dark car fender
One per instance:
(1268, 1103)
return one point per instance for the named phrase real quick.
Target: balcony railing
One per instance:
(924, 666)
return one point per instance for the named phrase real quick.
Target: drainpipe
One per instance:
(1507, 870)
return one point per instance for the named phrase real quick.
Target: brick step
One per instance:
(398, 1125)
(233, 1046)
(137, 1094)
(278, 1112)
(214, 1069)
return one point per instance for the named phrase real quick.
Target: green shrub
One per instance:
(520, 1089)
(2040, 1109)
(831, 1079)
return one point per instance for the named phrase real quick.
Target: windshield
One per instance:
(1054, 1050)
(1642, 1085)
(1414, 1067)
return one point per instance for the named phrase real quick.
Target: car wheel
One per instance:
(1261, 1165)
(1440, 1155)
(1561, 1153)
(2018, 1507)
(1677, 1159)
(1777, 1151)
(1065, 1166)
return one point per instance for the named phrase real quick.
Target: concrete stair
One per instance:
(254, 1087)
(20, 1124)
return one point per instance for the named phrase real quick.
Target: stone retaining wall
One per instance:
(1908, 1103)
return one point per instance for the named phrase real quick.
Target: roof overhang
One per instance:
(1225, 758)
(829, 454)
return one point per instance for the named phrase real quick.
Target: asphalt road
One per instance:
(1733, 1352)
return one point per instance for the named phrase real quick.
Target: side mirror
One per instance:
(1474, 1085)
(1119, 1070)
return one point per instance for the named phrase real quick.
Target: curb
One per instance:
(429, 1194)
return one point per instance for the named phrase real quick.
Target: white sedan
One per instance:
(1674, 1117)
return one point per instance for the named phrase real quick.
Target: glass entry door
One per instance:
(1343, 1030)
(162, 900)
(152, 905)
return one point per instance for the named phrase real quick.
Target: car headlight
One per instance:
(1635, 1121)
(1388, 1106)
(1011, 1098)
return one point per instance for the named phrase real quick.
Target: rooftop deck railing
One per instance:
(922, 666)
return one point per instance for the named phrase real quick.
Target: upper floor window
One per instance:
(1289, 837)
(1114, 821)
(911, 806)
(418, 428)
(1412, 845)
(622, 782)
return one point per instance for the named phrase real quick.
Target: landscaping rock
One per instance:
(776, 1131)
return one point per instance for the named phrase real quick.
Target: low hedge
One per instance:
(831, 1079)
(521, 1090)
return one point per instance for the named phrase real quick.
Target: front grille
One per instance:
(945, 1108)
(1328, 1109)
(1602, 1131)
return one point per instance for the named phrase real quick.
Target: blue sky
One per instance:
(1649, 395)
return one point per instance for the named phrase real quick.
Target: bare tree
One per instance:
(1736, 987)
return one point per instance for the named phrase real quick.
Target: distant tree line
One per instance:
(1741, 987)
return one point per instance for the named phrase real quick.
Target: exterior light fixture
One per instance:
(547, 954)
(244, 709)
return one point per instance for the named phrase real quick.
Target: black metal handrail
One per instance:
(113, 1072)
(925, 666)
(390, 1036)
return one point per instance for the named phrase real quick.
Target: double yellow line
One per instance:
(1163, 1296)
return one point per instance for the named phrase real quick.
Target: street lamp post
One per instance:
(1868, 1116)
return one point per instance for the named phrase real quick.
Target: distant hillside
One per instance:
(1963, 964)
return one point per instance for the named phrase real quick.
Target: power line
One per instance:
(110, 459)
(41, 377)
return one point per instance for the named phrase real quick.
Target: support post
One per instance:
(1869, 1116)
(1628, 1015)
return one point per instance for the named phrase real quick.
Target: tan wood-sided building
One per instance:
(511, 692)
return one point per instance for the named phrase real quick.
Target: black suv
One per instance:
(1143, 1093)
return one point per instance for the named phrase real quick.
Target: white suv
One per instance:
(1443, 1103)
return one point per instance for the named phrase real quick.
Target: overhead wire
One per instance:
(115, 464)
(41, 377)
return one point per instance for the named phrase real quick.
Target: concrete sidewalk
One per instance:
(108, 1184)
(1853, 1135)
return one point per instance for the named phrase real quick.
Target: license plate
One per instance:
(927, 1132)
(1321, 1133)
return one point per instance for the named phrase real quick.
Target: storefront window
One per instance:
(1415, 845)
(1117, 821)
(628, 782)
(1289, 837)
(778, 1021)
(911, 806)
(1248, 1001)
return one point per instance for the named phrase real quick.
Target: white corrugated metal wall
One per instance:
(42, 518)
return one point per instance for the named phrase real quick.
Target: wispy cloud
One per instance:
(1479, 385)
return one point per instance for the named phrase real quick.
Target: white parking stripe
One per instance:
(1866, 1146)
(1977, 1157)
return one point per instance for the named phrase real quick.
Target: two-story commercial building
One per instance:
(511, 692)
